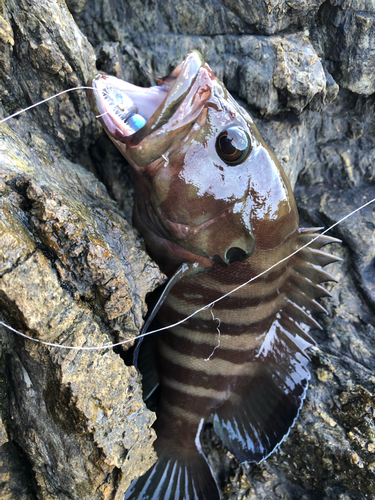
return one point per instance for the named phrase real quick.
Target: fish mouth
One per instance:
(147, 125)
(128, 111)
(124, 108)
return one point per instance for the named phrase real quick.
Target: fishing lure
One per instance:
(215, 209)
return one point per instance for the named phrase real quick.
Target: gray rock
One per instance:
(345, 35)
(207, 18)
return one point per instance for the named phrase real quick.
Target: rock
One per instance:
(345, 33)
(207, 18)
(65, 281)
(73, 271)
(299, 72)
(271, 73)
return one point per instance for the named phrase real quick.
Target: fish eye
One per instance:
(233, 145)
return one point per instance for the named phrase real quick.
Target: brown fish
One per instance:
(212, 195)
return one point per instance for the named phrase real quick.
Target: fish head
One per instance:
(207, 187)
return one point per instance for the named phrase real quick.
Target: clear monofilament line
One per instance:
(42, 102)
(210, 305)
(218, 335)
(103, 114)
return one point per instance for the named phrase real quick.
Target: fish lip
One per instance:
(147, 100)
(112, 123)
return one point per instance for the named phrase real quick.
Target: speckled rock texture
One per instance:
(72, 271)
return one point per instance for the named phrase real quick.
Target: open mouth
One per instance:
(124, 108)
(150, 126)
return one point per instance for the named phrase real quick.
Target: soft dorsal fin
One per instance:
(266, 402)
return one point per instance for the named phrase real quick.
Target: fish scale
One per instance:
(216, 210)
(235, 348)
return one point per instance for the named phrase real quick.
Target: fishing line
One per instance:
(219, 333)
(210, 305)
(99, 116)
(42, 102)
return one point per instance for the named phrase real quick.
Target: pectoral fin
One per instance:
(144, 357)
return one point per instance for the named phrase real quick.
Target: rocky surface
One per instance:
(344, 33)
(76, 416)
(73, 271)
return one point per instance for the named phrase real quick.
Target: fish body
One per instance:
(211, 194)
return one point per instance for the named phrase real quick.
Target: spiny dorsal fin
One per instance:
(319, 257)
(307, 234)
(312, 272)
(312, 290)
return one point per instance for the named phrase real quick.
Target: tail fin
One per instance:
(187, 477)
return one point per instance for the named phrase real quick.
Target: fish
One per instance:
(216, 210)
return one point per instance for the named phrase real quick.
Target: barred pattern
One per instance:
(257, 377)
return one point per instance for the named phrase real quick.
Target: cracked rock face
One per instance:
(74, 272)
(345, 34)
(78, 416)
